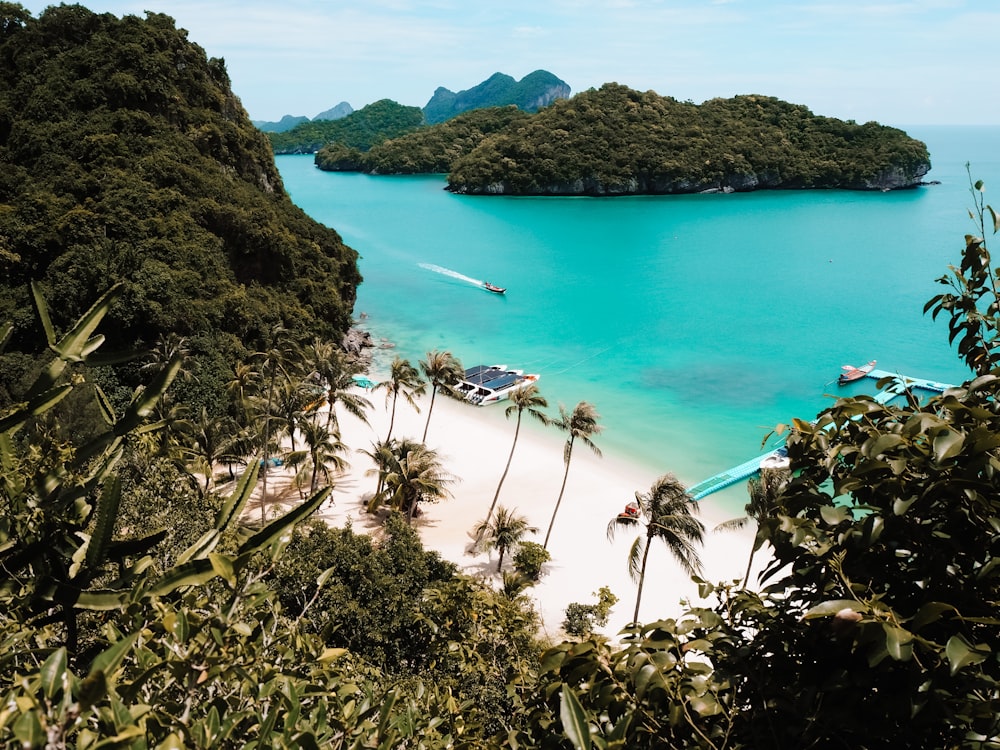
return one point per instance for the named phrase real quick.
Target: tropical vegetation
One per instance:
(666, 514)
(145, 603)
(579, 424)
(616, 140)
(358, 131)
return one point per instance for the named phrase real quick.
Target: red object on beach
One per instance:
(851, 373)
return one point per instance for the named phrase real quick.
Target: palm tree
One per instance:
(414, 475)
(403, 380)
(281, 351)
(335, 375)
(210, 441)
(322, 456)
(442, 370)
(526, 399)
(244, 382)
(504, 533)
(667, 512)
(581, 423)
(381, 456)
(763, 504)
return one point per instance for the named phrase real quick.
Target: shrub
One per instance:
(529, 559)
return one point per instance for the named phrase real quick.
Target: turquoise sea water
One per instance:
(695, 324)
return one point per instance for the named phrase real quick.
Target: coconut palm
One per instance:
(244, 382)
(504, 532)
(763, 504)
(274, 360)
(381, 456)
(321, 457)
(210, 441)
(335, 375)
(581, 423)
(442, 370)
(404, 380)
(667, 513)
(414, 475)
(526, 399)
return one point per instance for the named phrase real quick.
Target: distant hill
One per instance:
(618, 141)
(360, 130)
(431, 149)
(288, 122)
(284, 124)
(335, 113)
(534, 91)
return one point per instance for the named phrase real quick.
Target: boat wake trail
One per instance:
(449, 272)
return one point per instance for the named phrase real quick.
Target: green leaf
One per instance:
(898, 642)
(101, 600)
(275, 529)
(960, 654)
(104, 526)
(72, 346)
(234, 505)
(574, 719)
(28, 730)
(832, 607)
(834, 515)
(996, 219)
(192, 573)
(53, 673)
(223, 566)
(107, 410)
(6, 330)
(947, 444)
(108, 660)
(38, 404)
(43, 313)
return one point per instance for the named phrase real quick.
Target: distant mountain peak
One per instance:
(537, 89)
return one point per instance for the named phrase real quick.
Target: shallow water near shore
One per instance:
(694, 324)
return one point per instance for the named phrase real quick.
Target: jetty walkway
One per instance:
(747, 469)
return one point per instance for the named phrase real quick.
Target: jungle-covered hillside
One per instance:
(616, 140)
(427, 150)
(127, 158)
(359, 130)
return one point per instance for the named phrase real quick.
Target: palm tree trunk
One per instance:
(503, 551)
(496, 496)
(267, 440)
(753, 551)
(569, 455)
(429, 410)
(642, 580)
(392, 416)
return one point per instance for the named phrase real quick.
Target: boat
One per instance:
(851, 373)
(495, 289)
(776, 459)
(487, 384)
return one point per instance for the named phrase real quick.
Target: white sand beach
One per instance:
(474, 443)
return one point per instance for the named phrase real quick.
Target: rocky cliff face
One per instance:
(895, 178)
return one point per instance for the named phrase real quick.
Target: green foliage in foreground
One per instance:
(108, 643)
(616, 140)
(359, 131)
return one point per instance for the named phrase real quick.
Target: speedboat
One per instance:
(851, 373)
(495, 289)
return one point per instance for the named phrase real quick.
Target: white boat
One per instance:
(487, 384)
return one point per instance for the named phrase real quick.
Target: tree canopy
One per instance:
(127, 157)
(616, 140)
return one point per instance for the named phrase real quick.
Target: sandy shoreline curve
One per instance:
(473, 444)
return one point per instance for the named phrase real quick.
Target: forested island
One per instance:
(164, 305)
(617, 141)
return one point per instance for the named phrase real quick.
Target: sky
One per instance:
(897, 62)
